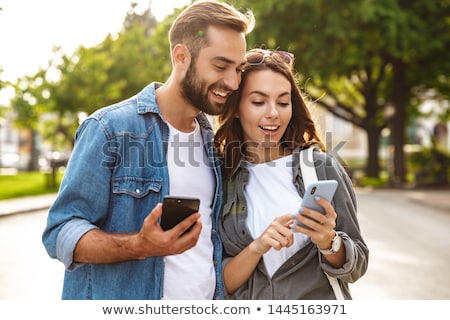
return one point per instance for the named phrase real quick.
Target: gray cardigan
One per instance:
(301, 276)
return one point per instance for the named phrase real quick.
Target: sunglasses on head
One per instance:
(257, 56)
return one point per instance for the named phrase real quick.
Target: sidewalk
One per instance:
(26, 204)
(438, 198)
(434, 198)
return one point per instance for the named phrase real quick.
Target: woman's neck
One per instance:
(262, 154)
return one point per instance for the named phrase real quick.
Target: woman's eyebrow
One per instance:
(266, 95)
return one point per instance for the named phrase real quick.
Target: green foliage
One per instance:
(380, 182)
(358, 39)
(431, 166)
(29, 101)
(55, 99)
(358, 56)
(25, 184)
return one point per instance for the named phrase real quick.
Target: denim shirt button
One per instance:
(138, 191)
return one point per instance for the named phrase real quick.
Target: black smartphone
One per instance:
(322, 188)
(176, 209)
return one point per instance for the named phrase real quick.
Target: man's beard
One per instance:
(192, 90)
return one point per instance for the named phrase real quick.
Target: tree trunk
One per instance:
(372, 127)
(373, 142)
(33, 165)
(400, 96)
(36, 151)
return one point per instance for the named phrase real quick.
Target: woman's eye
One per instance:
(258, 103)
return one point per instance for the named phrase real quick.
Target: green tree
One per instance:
(73, 86)
(359, 57)
(29, 106)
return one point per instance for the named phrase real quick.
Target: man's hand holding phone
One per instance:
(176, 209)
(152, 240)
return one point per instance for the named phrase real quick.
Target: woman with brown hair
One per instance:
(267, 253)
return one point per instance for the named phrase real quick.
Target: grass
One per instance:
(26, 184)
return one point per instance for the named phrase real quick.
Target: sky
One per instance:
(29, 29)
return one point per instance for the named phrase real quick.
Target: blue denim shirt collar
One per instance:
(146, 100)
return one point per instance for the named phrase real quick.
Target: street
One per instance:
(26, 271)
(408, 241)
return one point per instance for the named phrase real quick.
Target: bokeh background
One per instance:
(376, 75)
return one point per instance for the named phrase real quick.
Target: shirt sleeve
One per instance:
(347, 224)
(83, 199)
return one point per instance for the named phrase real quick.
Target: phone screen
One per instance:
(176, 209)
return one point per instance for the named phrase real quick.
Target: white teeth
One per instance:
(271, 128)
(220, 93)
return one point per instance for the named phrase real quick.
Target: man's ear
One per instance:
(181, 56)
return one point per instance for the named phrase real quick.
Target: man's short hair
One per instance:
(191, 26)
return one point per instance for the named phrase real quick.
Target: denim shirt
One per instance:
(302, 275)
(116, 175)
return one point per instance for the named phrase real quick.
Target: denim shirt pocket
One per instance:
(136, 187)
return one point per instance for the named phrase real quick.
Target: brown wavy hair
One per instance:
(300, 132)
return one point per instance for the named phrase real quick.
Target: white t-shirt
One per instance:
(270, 193)
(191, 275)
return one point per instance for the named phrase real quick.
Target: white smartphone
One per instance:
(324, 189)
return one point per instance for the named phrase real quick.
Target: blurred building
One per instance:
(15, 147)
(9, 144)
(430, 130)
(344, 138)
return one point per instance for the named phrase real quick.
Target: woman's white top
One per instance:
(270, 193)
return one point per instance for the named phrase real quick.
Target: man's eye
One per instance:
(221, 68)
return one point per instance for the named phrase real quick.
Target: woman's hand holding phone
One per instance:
(317, 217)
(311, 209)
